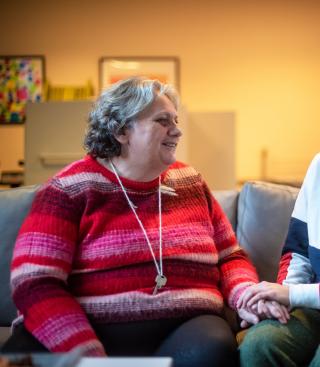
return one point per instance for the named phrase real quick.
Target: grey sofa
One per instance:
(259, 214)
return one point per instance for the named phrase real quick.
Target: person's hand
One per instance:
(264, 291)
(263, 310)
(271, 310)
(247, 317)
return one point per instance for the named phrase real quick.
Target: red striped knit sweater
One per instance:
(81, 255)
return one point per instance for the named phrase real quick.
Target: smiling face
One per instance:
(149, 145)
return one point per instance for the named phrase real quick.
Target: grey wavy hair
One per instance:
(116, 109)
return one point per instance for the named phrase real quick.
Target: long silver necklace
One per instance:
(160, 279)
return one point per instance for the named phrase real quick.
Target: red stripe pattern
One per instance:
(81, 255)
(283, 267)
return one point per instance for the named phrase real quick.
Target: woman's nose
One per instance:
(175, 131)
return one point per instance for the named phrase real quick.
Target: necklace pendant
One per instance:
(161, 281)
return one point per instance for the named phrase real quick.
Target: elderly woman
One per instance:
(126, 252)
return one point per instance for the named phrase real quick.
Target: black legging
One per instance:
(205, 341)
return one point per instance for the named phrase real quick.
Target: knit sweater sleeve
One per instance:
(236, 270)
(42, 261)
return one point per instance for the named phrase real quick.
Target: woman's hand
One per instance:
(264, 291)
(264, 300)
(247, 317)
(271, 310)
(263, 310)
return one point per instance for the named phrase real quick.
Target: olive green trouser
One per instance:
(296, 343)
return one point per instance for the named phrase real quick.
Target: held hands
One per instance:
(266, 291)
(263, 310)
(261, 301)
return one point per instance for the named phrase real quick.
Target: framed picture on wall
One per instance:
(113, 69)
(21, 80)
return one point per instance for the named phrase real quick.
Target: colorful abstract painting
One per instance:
(21, 80)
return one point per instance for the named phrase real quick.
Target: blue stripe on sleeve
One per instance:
(297, 239)
(314, 257)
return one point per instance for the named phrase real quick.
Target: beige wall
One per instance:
(11, 147)
(260, 59)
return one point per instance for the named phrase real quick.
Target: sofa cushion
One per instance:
(264, 211)
(14, 206)
(228, 199)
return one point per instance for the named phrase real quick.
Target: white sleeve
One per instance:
(299, 270)
(304, 295)
(311, 209)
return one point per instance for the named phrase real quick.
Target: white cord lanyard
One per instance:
(160, 280)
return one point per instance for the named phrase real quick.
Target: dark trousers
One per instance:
(205, 341)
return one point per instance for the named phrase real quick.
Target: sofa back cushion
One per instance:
(264, 211)
(14, 206)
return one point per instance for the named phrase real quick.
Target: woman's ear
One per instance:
(123, 138)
